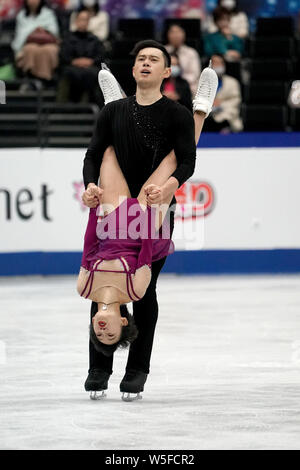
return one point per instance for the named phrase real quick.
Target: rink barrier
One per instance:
(181, 262)
(250, 139)
(54, 258)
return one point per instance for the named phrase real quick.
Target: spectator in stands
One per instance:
(175, 87)
(36, 40)
(99, 19)
(239, 24)
(80, 57)
(225, 115)
(189, 59)
(223, 41)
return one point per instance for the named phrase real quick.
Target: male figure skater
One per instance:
(143, 129)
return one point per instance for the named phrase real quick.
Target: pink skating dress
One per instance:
(119, 250)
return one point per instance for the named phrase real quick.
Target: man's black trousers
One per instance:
(145, 313)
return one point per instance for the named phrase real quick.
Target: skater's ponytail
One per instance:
(128, 334)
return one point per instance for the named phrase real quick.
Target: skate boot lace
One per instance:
(110, 89)
(205, 87)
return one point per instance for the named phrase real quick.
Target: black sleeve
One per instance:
(184, 144)
(100, 140)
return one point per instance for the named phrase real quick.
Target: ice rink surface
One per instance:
(225, 368)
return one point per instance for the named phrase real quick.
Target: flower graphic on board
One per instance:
(79, 189)
(195, 199)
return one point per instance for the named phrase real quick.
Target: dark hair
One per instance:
(151, 43)
(175, 24)
(218, 55)
(41, 5)
(128, 334)
(234, 10)
(80, 10)
(174, 54)
(219, 12)
(95, 7)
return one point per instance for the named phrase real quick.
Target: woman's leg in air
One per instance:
(164, 171)
(199, 118)
(112, 181)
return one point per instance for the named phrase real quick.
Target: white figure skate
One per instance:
(109, 85)
(206, 92)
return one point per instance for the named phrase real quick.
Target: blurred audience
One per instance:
(189, 59)
(80, 58)
(99, 19)
(223, 41)
(239, 24)
(36, 40)
(225, 115)
(177, 88)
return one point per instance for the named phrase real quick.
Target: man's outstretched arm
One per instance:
(100, 140)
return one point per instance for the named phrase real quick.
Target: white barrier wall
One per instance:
(250, 196)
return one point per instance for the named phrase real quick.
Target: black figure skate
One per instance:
(133, 383)
(96, 383)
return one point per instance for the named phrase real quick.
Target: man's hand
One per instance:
(156, 194)
(92, 196)
(161, 194)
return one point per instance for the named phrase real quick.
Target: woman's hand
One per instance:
(92, 196)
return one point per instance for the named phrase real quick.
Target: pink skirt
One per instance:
(129, 232)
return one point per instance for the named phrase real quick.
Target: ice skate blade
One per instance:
(126, 396)
(95, 395)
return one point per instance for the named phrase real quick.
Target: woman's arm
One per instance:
(91, 241)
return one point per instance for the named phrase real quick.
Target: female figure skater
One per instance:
(116, 264)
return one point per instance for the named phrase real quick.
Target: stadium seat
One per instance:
(280, 26)
(261, 92)
(264, 118)
(234, 70)
(66, 125)
(196, 44)
(6, 55)
(7, 30)
(295, 119)
(122, 69)
(18, 125)
(121, 48)
(141, 28)
(271, 69)
(272, 47)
